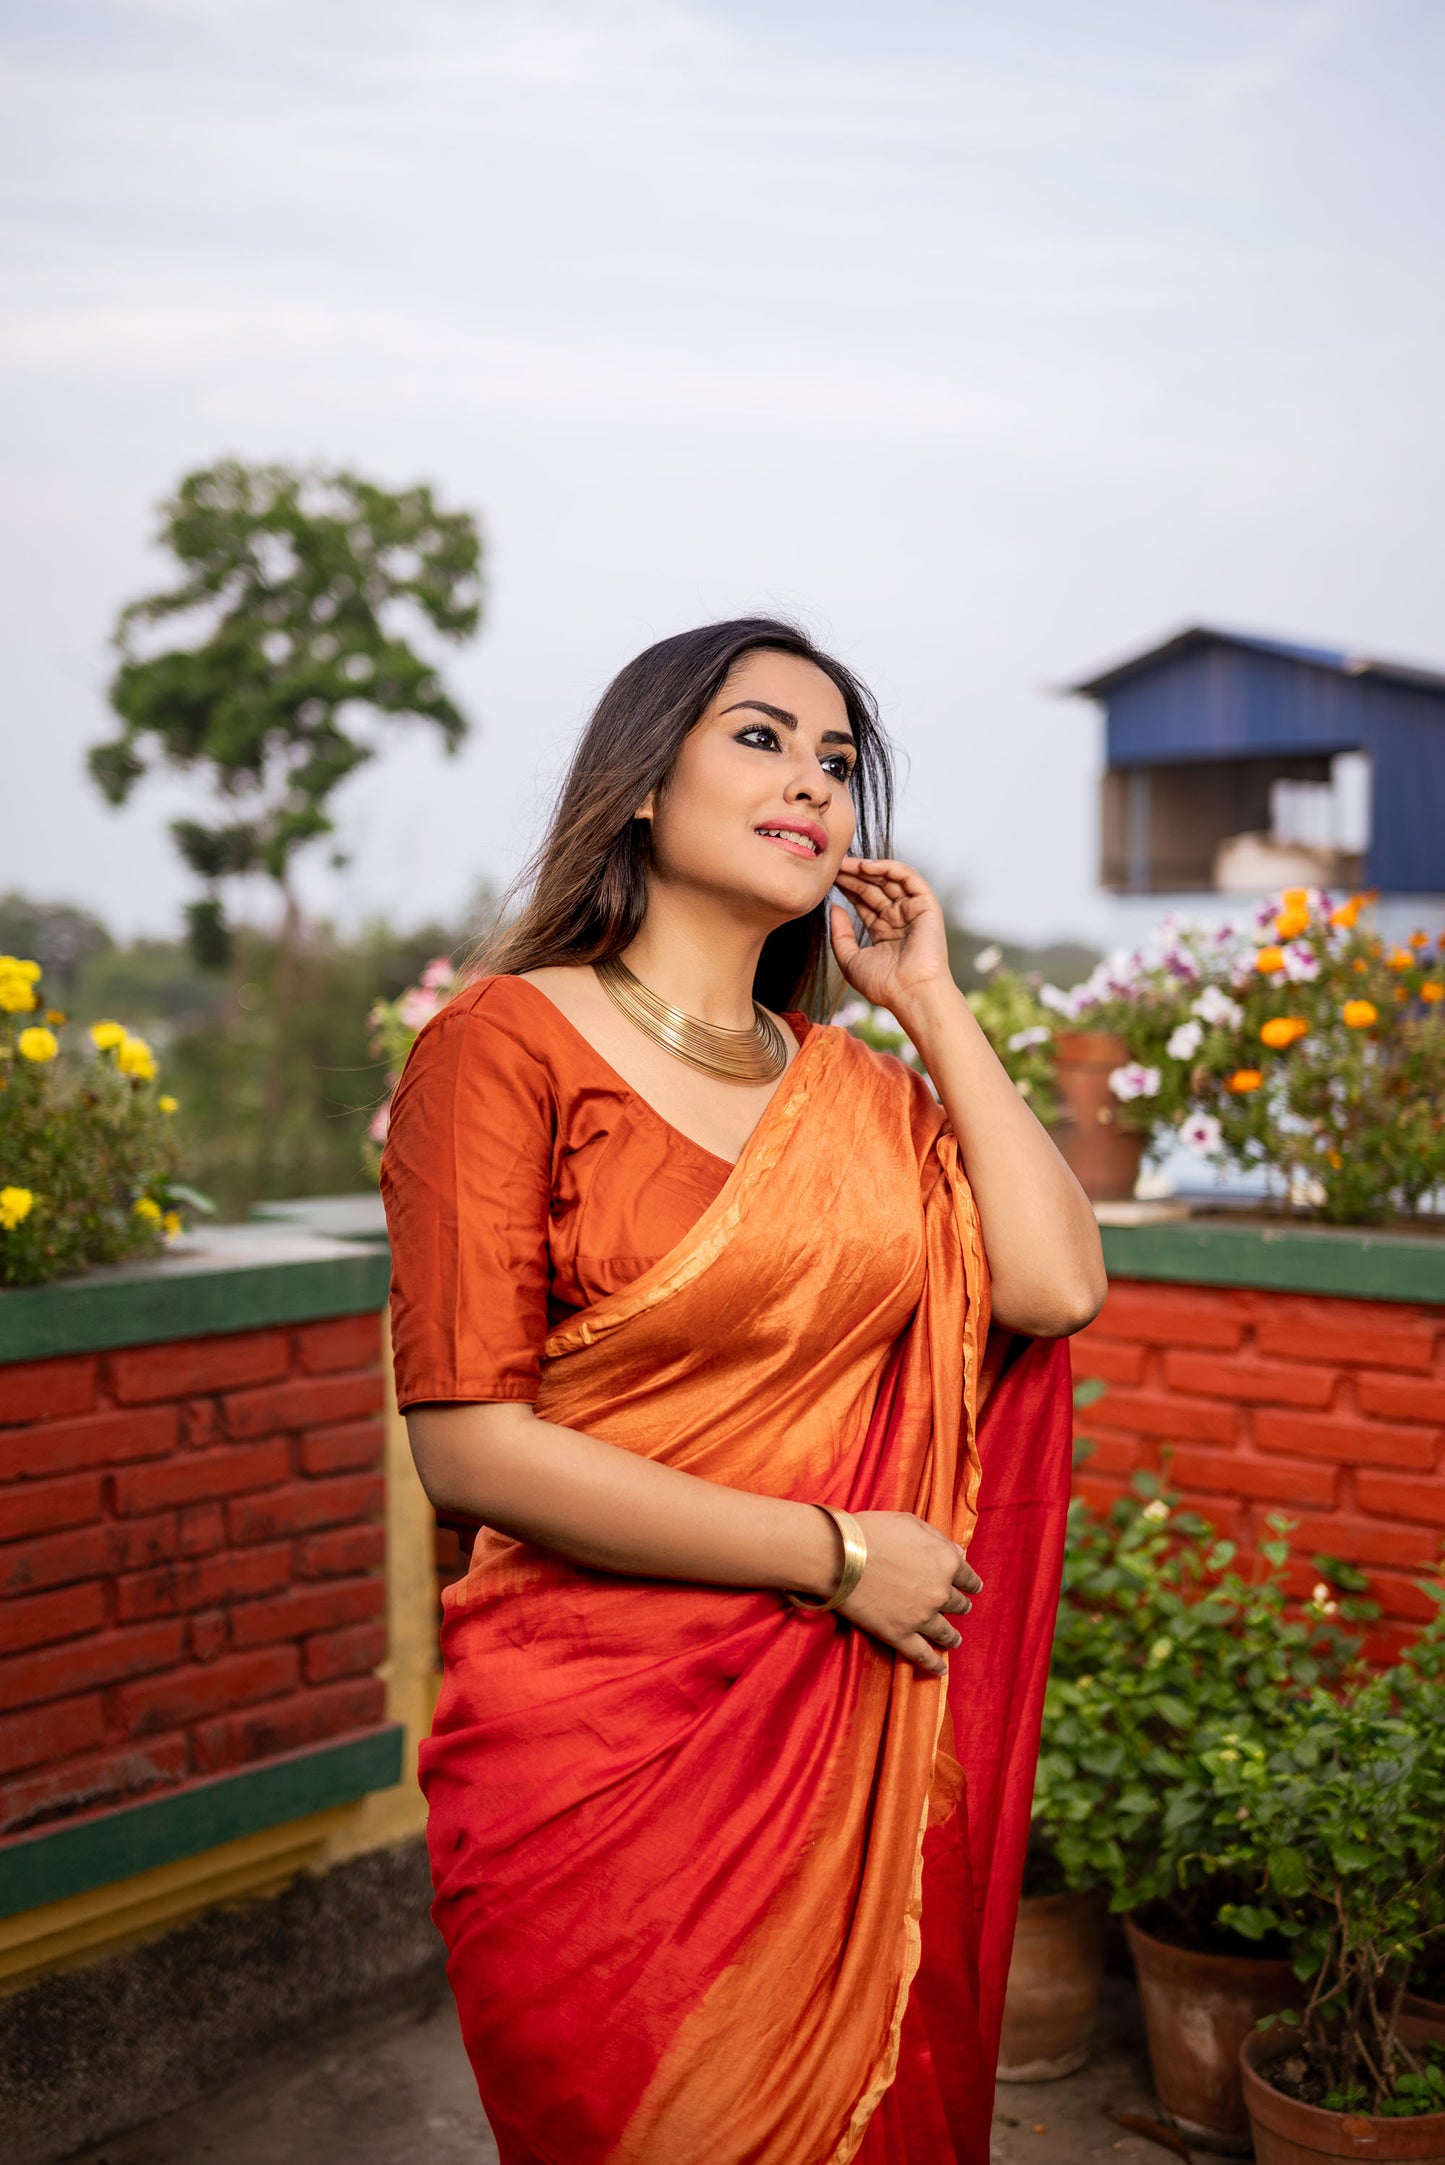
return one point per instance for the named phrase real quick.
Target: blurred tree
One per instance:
(295, 580)
(58, 935)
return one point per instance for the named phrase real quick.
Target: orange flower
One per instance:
(1360, 965)
(1291, 923)
(1243, 1080)
(1282, 1031)
(1335, 1159)
(1346, 916)
(1400, 958)
(1419, 939)
(1269, 959)
(1432, 990)
(1359, 1014)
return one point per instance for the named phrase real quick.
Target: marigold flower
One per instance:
(1360, 1014)
(1296, 898)
(1243, 1080)
(167, 1104)
(171, 1225)
(1335, 1159)
(146, 1207)
(57, 1015)
(1291, 923)
(1359, 966)
(1269, 959)
(1432, 990)
(17, 994)
(105, 1036)
(1400, 958)
(15, 1204)
(37, 1043)
(15, 966)
(136, 1059)
(1282, 1031)
(1419, 939)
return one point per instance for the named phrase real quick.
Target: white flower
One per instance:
(417, 1006)
(1185, 1042)
(1320, 1600)
(1214, 1006)
(1160, 1651)
(1134, 1081)
(1038, 1034)
(1200, 1133)
(851, 1013)
(1156, 1512)
(1062, 1003)
(988, 959)
(1301, 964)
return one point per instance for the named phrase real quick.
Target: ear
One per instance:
(646, 808)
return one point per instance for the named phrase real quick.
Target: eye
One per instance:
(840, 764)
(756, 730)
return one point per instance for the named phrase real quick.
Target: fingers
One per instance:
(955, 1604)
(940, 1633)
(845, 939)
(890, 870)
(967, 1580)
(923, 1656)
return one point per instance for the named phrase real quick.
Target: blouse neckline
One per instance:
(798, 1024)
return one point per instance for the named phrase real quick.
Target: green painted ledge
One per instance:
(1364, 1265)
(106, 1846)
(230, 1278)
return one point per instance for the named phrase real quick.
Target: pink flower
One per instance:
(417, 1005)
(380, 1121)
(438, 974)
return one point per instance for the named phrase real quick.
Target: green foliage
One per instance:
(88, 1155)
(294, 582)
(1332, 1819)
(1020, 1029)
(1162, 1647)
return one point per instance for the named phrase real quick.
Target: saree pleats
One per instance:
(683, 1838)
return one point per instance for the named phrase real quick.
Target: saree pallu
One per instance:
(682, 1837)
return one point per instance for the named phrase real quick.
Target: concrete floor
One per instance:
(398, 2091)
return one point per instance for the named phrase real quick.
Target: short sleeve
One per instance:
(466, 1177)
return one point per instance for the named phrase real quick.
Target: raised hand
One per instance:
(907, 953)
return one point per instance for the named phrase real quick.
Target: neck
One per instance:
(698, 957)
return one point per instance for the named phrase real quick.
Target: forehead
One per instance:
(786, 680)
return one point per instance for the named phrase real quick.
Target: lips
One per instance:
(800, 837)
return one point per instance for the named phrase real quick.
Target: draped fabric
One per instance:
(691, 1849)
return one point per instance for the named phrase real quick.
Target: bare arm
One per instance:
(603, 1506)
(1045, 1256)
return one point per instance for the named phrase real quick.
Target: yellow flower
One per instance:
(1282, 1031)
(145, 1207)
(15, 1204)
(136, 1059)
(167, 1104)
(57, 1015)
(1269, 959)
(37, 1043)
(171, 1225)
(105, 1036)
(17, 994)
(1347, 915)
(1432, 990)
(1243, 1080)
(12, 966)
(1359, 1014)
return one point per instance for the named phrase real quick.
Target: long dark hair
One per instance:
(584, 895)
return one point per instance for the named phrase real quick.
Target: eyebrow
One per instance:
(790, 721)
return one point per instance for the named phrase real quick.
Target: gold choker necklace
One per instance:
(751, 1056)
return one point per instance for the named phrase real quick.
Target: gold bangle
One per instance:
(855, 1556)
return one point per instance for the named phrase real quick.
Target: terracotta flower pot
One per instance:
(1289, 2133)
(1198, 2010)
(1103, 1155)
(1053, 1987)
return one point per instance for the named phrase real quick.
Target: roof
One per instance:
(1192, 636)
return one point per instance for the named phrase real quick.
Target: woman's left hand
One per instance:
(901, 916)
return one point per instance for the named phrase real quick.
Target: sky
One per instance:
(988, 341)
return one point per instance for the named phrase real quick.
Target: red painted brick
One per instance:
(297, 1614)
(86, 1552)
(1260, 1383)
(303, 1402)
(1158, 1413)
(194, 1692)
(1228, 1518)
(332, 1710)
(1370, 1541)
(112, 1777)
(345, 1449)
(203, 1528)
(33, 1507)
(200, 1424)
(1349, 1441)
(43, 1390)
(340, 1342)
(1361, 1334)
(303, 1505)
(108, 1657)
(353, 1652)
(1099, 1491)
(1400, 1497)
(44, 1619)
(341, 1551)
(190, 1366)
(100, 1439)
(1385, 1643)
(191, 1476)
(1108, 1360)
(207, 1634)
(1171, 1315)
(177, 1587)
(44, 1733)
(1403, 1398)
(1107, 1454)
(1402, 1597)
(1266, 1480)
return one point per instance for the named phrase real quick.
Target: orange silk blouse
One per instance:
(524, 1180)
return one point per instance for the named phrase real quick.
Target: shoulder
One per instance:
(495, 1030)
(885, 1077)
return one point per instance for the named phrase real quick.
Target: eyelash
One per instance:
(761, 729)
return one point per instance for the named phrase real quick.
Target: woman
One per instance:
(675, 1265)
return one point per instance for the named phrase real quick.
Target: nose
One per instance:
(812, 784)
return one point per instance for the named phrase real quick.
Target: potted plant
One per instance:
(1338, 1822)
(1162, 1647)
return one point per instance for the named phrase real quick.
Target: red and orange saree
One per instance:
(721, 1883)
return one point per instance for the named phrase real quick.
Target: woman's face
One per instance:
(758, 808)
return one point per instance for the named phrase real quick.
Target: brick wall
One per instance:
(191, 1560)
(1331, 1411)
